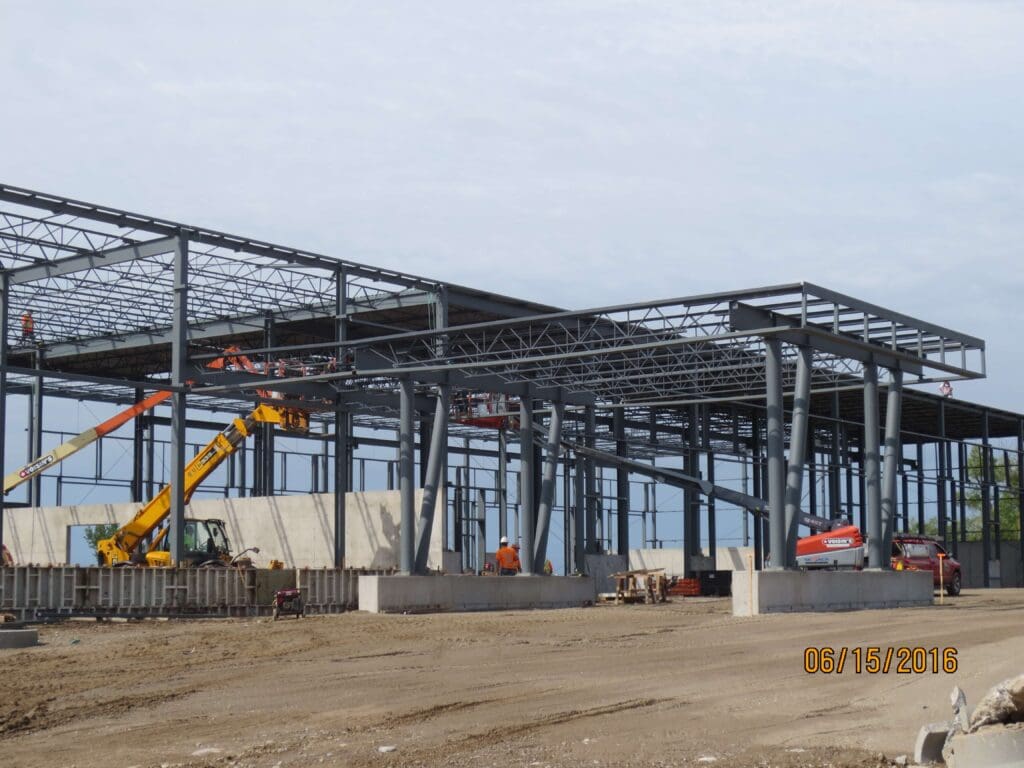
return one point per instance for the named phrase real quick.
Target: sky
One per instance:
(576, 153)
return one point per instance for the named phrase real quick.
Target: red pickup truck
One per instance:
(921, 553)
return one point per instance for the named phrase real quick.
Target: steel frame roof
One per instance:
(100, 280)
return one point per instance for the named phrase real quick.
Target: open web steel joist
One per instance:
(123, 303)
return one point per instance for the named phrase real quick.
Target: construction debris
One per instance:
(640, 586)
(990, 737)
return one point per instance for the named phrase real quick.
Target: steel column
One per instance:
(621, 483)
(138, 450)
(547, 488)
(406, 471)
(35, 430)
(1020, 486)
(940, 486)
(579, 515)
(776, 455)
(341, 423)
(435, 459)
(797, 454)
(502, 483)
(526, 473)
(5, 308)
(920, 488)
(893, 454)
(986, 500)
(592, 545)
(179, 364)
(691, 499)
(878, 557)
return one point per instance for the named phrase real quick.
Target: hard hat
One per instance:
(503, 540)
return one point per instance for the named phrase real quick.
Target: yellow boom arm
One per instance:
(119, 547)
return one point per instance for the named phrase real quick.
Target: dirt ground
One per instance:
(677, 684)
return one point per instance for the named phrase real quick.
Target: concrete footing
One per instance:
(423, 594)
(18, 638)
(786, 591)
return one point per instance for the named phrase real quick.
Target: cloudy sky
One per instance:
(579, 153)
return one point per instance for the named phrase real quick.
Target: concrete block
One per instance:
(759, 592)
(600, 568)
(18, 638)
(433, 593)
(928, 748)
(994, 746)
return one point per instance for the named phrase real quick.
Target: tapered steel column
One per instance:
(547, 488)
(526, 471)
(5, 308)
(435, 459)
(776, 455)
(797, 453)
(893, 411)
(877, 554)
(406, 469)
(179, 363)
(621, 483)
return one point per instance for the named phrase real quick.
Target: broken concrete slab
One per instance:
(930, 740)
(991, 746)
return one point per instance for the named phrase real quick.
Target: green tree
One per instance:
(95, 533)
(1005, 473)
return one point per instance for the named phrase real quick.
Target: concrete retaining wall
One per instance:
(297, 530)
(787, 591)
(671, 559)
(399, 594)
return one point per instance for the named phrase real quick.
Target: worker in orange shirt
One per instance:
(507, 559)
(28, 326)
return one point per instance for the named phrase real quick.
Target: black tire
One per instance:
(953, 588)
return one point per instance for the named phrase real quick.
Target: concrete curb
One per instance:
(18, 638)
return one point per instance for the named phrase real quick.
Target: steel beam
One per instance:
(179, 372)
(91, 260)
(547, 490)
(986, 500)
(580, 513)
(526, 471)
(878, 557)
(501, 482)
(776, 443)
(797, 453)
(432, 484)
(406, 471)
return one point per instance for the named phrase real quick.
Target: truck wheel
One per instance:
(953, 588)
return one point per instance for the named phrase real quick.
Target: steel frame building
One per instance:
(124, 303)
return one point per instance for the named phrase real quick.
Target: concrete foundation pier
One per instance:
(435, 593)
(756, 592)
